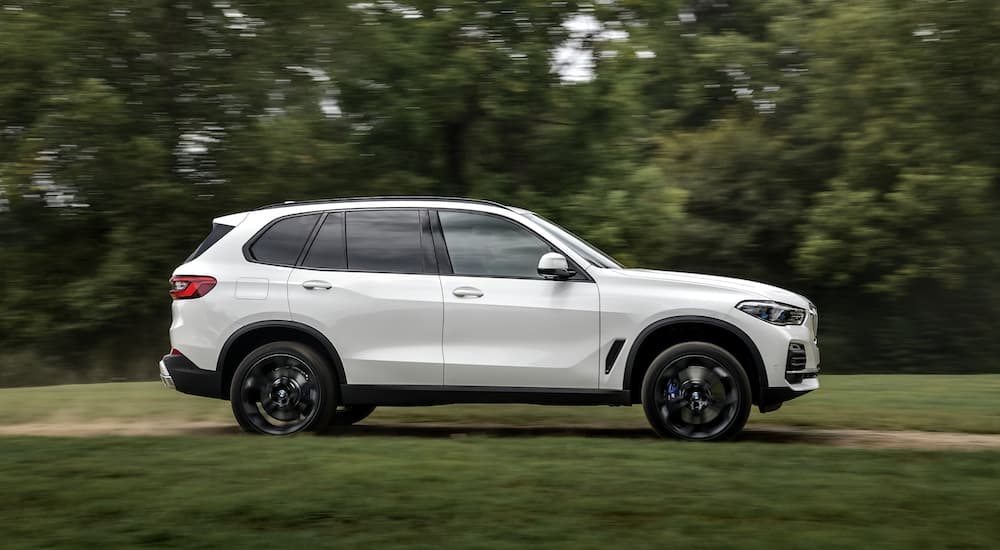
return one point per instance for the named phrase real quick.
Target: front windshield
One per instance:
(589, 252)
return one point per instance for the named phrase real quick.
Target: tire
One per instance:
(347, 415)
(283, 388)
(696, 391)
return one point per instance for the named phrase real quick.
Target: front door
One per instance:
(504, 325)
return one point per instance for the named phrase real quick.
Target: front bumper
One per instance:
(771, 399)
(178, 372)
(791, 360)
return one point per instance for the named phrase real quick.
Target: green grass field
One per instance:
(968, 403)
(392, 491)
(485, 492)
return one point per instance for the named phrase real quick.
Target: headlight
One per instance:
(773, 312)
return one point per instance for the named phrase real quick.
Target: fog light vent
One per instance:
(796, 363)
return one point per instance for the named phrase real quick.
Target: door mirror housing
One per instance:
(554, 266)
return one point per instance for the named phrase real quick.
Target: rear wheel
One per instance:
(696, 391)
(283, 388)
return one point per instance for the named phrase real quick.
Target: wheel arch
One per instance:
(251, 336)
(664, 333)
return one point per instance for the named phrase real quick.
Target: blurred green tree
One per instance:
(844, 149)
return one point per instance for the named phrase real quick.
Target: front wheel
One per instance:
(283, 388)
(696, 391)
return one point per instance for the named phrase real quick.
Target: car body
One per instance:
(428, 300)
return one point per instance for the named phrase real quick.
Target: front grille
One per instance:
(796, 362)
(813, 322)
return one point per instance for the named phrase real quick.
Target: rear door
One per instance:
(369, 282)
(504, 325)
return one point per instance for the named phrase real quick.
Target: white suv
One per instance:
(307, 315)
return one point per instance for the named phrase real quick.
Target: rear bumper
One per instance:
(178, 372)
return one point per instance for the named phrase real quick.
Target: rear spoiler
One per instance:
(232, 219)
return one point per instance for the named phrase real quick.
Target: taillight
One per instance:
(186, 287)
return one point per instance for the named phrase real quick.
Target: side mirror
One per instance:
(554, 266)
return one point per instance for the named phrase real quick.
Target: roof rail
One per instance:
(381, 198)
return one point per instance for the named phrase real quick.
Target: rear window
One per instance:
(328, 251)
(218, 231)
(386, 241)
(282, 243)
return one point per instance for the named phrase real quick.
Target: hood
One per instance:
(752, 289)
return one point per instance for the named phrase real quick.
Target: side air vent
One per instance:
(616, 348)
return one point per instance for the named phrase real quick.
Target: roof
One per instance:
(383, 198)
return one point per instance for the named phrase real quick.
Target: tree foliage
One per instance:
(844, 149)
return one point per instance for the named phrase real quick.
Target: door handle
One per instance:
(316, 285)
(467, 292)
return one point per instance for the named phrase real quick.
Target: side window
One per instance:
(328, 251)
(384, 241)
(283, 241)
(489, 246)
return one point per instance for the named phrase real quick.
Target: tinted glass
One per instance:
(489, 246)
(283, 241)
(384, 240)
(218, 231)
(328, 251)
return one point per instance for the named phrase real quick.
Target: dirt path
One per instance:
(761, 433)
(874, 439)
(118, 427)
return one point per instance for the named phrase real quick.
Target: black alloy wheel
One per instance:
(696, 391)
(283, 388)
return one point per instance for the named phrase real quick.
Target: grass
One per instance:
(964, 403)
(373, 490)
(114, 401)
(483, 492)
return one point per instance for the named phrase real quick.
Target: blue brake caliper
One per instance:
(672, 388)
